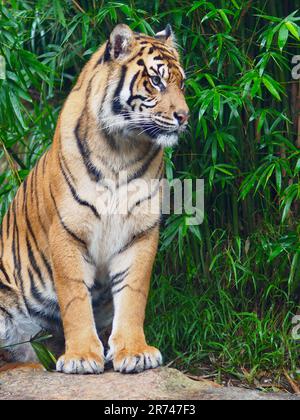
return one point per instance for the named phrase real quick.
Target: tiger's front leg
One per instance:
(130, 276)
(73, 276)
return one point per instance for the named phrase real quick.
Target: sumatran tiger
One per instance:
(68, 261)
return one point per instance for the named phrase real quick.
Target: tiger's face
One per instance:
(145, 91)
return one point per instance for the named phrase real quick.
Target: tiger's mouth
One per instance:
(162, 136)
(165, 134)
(154, 130)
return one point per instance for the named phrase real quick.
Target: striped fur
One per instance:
(65, 265)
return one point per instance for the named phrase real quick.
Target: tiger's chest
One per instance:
(123, 213)
(110, 235)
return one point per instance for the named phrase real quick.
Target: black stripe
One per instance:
(164, 50)
(133, 81)
(120, 290)
(50, 320)
(119, 278)
(118, 282)
(88, 259)
(24, 187)
(146, 83)
(107, 56)
(4, 287)
(146, 165)
(141, 63)
(75, 195)
(133, 98)
(67, 168)
(142, 200)
(115, 276)
(23, 296)
(44, 302)
(34, 290)
(2, 269)
(165, 123)
(82, 144)
(94, 173)
(116, 106)
(144, 105)
(5, 311)
(99, 62)
(136, 238)
(72, 234)
(139, 54)
(164, 57)
(42, 255)
(34, 194)
(13, 244)
(33, 261)
(16, 247)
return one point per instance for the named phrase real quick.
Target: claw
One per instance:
(82, 366)
(129, 362)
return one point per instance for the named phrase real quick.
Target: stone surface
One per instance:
(164, 383)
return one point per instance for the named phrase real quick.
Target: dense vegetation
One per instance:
(225, 292)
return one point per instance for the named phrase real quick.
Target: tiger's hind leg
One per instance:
(11, 339)
(5, 356)
(15, 328)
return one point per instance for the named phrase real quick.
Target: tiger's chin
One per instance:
(159, 137)
(167, 139)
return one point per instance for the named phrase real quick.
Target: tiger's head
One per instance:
(144, 96)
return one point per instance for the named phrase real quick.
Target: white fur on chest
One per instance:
(120, 218)
(108, 236)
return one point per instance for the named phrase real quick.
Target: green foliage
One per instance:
(226, 291)
(46, 358)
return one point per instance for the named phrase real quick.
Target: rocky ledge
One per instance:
(33, 383)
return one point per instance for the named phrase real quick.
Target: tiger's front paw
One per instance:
(81, 364)
(136, 361)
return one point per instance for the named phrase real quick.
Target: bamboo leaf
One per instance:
(217, 105)
(59, 11)
(17, 108)
(294, 29)
(46, 358)
(224, 18)
(271, 88)
(283, 36)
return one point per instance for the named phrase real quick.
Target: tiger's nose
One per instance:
(181, 116)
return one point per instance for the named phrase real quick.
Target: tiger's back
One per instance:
(74, 257)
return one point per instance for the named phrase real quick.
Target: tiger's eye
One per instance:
(156, 80)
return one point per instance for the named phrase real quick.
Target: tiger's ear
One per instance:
(121, 41)
(167, 36)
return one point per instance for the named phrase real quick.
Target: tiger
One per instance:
(69, 263)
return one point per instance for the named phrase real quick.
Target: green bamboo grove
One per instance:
(224, 293)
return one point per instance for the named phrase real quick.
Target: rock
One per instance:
(33, 383)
